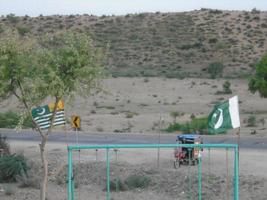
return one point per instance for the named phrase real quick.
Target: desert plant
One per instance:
(12, 18)
(118, 185)
(196, 124)
(137, 181)
(227, 87)
(251, 121)
(174, 115)
(23, 30)
(4, 146)
(8, 119)
(215, 69)
(12, 166)
(11, 119)
(30, 180)
(129, 114)
(99, 129)
(262, 121)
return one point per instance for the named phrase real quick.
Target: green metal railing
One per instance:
(149, 146)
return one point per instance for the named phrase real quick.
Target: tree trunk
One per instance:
(43, 186)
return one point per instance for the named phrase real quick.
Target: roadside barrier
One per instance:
(113, 147)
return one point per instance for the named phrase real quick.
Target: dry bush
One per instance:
(4, 146)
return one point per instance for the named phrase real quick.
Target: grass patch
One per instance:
(137, 181)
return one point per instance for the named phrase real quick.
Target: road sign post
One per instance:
(75, 122)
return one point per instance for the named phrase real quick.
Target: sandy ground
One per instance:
(146, 99)
(135, 105)
(166, 182)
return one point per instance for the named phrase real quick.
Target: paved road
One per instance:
(124, 138)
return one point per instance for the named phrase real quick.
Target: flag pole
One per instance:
(238, 142)
(159, 139)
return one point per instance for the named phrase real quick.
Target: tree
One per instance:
(258, 82)
(56, 66)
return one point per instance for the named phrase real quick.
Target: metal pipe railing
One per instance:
(147, 146)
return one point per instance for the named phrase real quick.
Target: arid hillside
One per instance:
(174, 45)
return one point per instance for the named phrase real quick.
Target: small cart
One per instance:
(184, 155)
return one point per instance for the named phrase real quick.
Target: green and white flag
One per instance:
(224, 116)
(43, 114)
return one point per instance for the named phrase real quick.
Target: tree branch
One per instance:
(28, 109)
(53, 115)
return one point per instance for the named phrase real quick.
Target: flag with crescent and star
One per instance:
(224, 116)
(42, 115)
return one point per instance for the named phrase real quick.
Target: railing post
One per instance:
(70, 176)
(199, 175)
(108, 173)
(236, 174)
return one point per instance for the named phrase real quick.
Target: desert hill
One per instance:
(173, 45)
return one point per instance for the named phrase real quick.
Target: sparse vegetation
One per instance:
(11, 119)
(129, 114)
(215, 69)
(12, 18)
(262, 121)
(118, 185)
(137, 181)
(23, 30)
(258, 82)
(11, 166)
(174, 115)
(4, 146)
(251, 122)
(195, 125)
(226, 88)
(136, 51)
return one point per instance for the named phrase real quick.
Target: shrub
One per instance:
(215, 69)
(32, 178)
(196, 124)
(4, 146)
(262, 121)
(23, 30)
(28, 181)
(251, 121)
(227, 87)
(11, 119)
(8, 119)
(118, 185)
(137, 181)
(12, 18)
(213, 40)
(130, 114)
(174, 115)
(1, 29)
(12, 166)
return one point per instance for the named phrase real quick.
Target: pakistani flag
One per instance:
(224, 116)
(43, 114)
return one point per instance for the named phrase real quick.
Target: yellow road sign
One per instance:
(60, 106)
(75, 121)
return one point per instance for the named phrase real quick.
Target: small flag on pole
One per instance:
(224, 116)
(42, 115)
